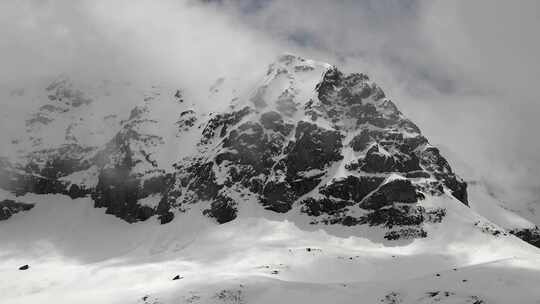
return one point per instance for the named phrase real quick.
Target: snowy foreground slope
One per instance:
(78, 255)
(308, 187)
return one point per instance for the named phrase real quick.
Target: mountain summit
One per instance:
(306, 188)
(308, 137)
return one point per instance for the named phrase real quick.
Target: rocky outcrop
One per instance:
(529, 235)
(351, 188)
(395, 191)
(10, 207)
(21, 180)
(340, 150)
(223, 209)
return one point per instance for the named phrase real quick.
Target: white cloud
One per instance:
(465, 71)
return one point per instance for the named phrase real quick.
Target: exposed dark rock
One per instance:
(398, 190)
(77, 191)
(186, 120)
(19, 182)
(489, 228)
(58, 162)
(317, 207)
(274, 121)
(352, 187)
(9, 207)
(223, 209)
(242, 155)
(361, 141)
(278, 196)
(24, 267)
(432, 160)
(406, 233)
(378, 161)
(392, 298)
(248, 145)
(457, 186)
(315, 148)
(119, 192)
(435, 215)
(417, 174)
(350, 89)
(410, 144)
(223, 122)
(202, 180)
(166, 217)
(397, 215)
(529, 235)
(179, 96)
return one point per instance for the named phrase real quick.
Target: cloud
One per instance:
(161, 40)
(492, 47)
(465, 71)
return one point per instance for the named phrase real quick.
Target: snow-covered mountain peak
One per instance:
(306, 139)
(289, 84)
(303, 132)
(309, 166)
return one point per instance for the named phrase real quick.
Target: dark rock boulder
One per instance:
(406, 233)
(278, 196)
(77, 191)
(24, 267)
(223, 209)
(10, 207)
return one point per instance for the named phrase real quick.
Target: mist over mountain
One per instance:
(239, 151)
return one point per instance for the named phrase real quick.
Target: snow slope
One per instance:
(97, 258)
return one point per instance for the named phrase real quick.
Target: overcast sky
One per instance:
(465, 71)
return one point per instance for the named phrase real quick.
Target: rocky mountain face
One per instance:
(308, 140)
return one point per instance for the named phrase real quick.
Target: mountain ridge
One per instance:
(306, 135)
(309, 187)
